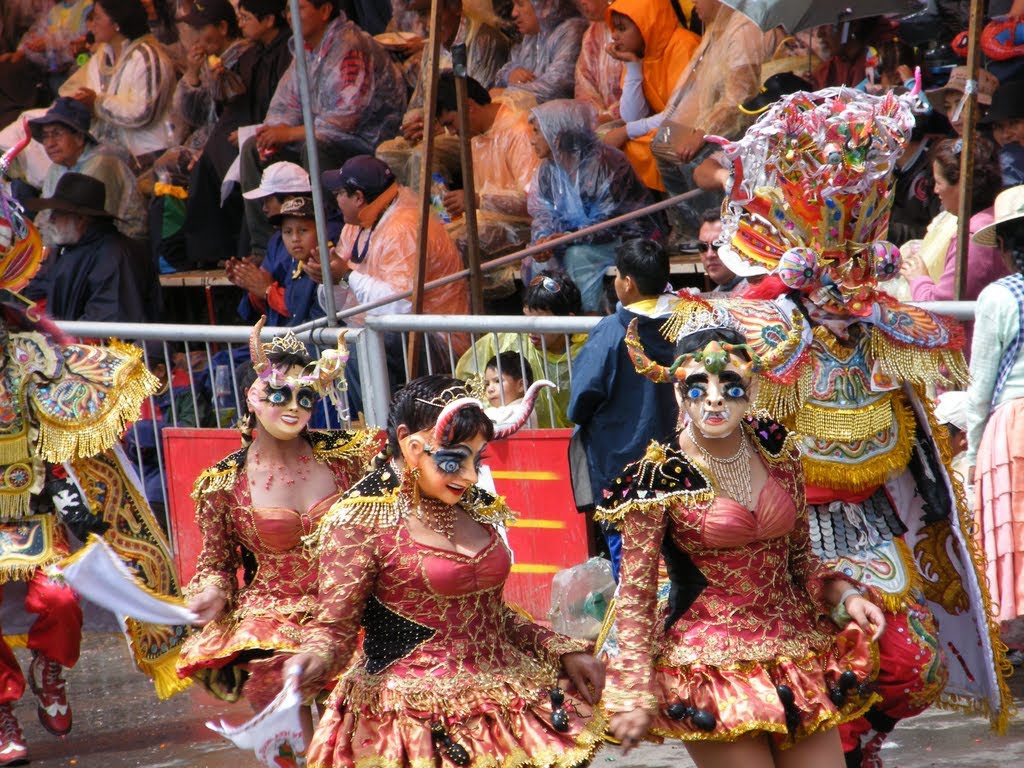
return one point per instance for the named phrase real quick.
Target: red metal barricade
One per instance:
(530, 469)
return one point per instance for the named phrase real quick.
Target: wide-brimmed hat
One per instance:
(774, 88)
(281, 178)
(75, 193)
(987, 84)
(294, 207)
(1007, 103)
(64, 111)
(1009, 206)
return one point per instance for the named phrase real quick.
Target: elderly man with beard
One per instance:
(96, 272)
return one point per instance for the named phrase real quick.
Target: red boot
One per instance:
(12, 741)
(48, 685)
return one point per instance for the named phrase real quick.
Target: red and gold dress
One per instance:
(447, 673)
(745, 644)
(270, 613)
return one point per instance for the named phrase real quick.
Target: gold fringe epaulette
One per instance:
(373, 502)
(919, 365)
(94, 430)
(220, 477)
(485, 507)
(663, 473)
(359, 445)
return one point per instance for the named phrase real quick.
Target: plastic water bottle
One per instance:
(438, 189)
(224, 394)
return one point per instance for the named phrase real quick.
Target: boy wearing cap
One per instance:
(377, 254)
(278, 287)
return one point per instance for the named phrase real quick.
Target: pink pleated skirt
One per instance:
(999, 507)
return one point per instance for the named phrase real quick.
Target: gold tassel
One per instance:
(14, 505)
(163, 671)
(780, 400)
(845, 424)
(14, 448)
(866, 473)
(917, 365)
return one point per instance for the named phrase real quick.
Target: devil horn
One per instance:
(13, 152)
(522, 415)
(259, 360)
(448, 413)
(656, 372)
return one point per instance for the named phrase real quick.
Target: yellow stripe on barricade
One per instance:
(507, 474)
(549, 524)
(534, 568)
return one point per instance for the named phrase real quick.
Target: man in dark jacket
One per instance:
(212, 230)
(617, 411)
(97, 274)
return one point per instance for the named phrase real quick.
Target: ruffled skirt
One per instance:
(484, 725)
(790, 698)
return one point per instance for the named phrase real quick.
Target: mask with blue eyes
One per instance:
(282, 396)
(451, 460)
(732, 390)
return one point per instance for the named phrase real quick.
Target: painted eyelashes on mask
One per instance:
(732, 385)
(450, 460)
(281, 397)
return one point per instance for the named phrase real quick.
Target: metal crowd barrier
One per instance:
(214, 358)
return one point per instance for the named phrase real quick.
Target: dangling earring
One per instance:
(414, 475)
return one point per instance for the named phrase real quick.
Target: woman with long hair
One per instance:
(447, 673)
(254, 507)
(762, 651)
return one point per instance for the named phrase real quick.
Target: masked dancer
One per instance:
(448, 673)
(253, 509)
(763, 650)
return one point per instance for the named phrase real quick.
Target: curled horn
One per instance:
(656, 372)
(448, 413)
(509, 428)
(259, 359)
(13, 152)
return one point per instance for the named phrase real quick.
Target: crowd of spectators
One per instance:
(168, 136)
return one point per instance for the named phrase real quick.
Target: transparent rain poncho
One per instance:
(550, 54)
(598, 74)
(584, 181)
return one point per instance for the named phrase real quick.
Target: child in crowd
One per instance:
(646, 36)
(507, 377)
(617, 411)
(552, 293)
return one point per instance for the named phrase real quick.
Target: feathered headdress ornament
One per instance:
(813, 188)
(21, 247)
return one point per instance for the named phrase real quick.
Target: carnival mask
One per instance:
(283, 410)
(715, 392)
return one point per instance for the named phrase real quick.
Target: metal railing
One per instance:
(208, 397)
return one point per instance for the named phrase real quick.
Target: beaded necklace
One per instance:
(731, 474)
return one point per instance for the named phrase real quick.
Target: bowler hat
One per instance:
(75, 193)
(64, 111)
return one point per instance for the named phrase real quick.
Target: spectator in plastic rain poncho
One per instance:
(598, 73)
(581, 182)
(543, 64)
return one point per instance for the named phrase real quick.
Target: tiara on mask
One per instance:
(462, 395)
(690, 318)
(325, 376)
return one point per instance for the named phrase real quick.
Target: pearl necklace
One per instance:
(732, 474)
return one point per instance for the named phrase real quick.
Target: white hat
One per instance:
(951, 408)
(1009, 205)
(281, 179)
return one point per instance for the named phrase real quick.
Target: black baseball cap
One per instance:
(209, 12)
(363, 172)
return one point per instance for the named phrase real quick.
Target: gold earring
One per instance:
(414, 474)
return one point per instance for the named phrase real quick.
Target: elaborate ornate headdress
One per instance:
(325, 376)
(454, 399)
(813, 188)
(21, 247)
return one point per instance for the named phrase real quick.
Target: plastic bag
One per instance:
(579, 598)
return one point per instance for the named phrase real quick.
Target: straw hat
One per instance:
(1009, 206)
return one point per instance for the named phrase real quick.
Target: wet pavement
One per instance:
(119, 723)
